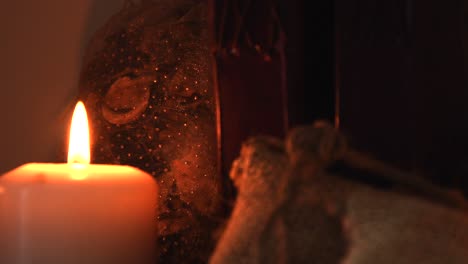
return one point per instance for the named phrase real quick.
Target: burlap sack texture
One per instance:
(291, 210)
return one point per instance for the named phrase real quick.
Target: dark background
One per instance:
(401, 78)
(390, 74)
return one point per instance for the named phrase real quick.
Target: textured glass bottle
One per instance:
(147, 82)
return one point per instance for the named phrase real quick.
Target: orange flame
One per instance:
(78, 144)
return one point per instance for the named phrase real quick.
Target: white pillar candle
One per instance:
(77, 212)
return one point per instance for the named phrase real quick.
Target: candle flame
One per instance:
(78, 144)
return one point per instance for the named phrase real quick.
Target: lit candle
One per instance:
(77, 212)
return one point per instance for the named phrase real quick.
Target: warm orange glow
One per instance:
(78, 144)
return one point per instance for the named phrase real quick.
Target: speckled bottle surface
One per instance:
(147, 83)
